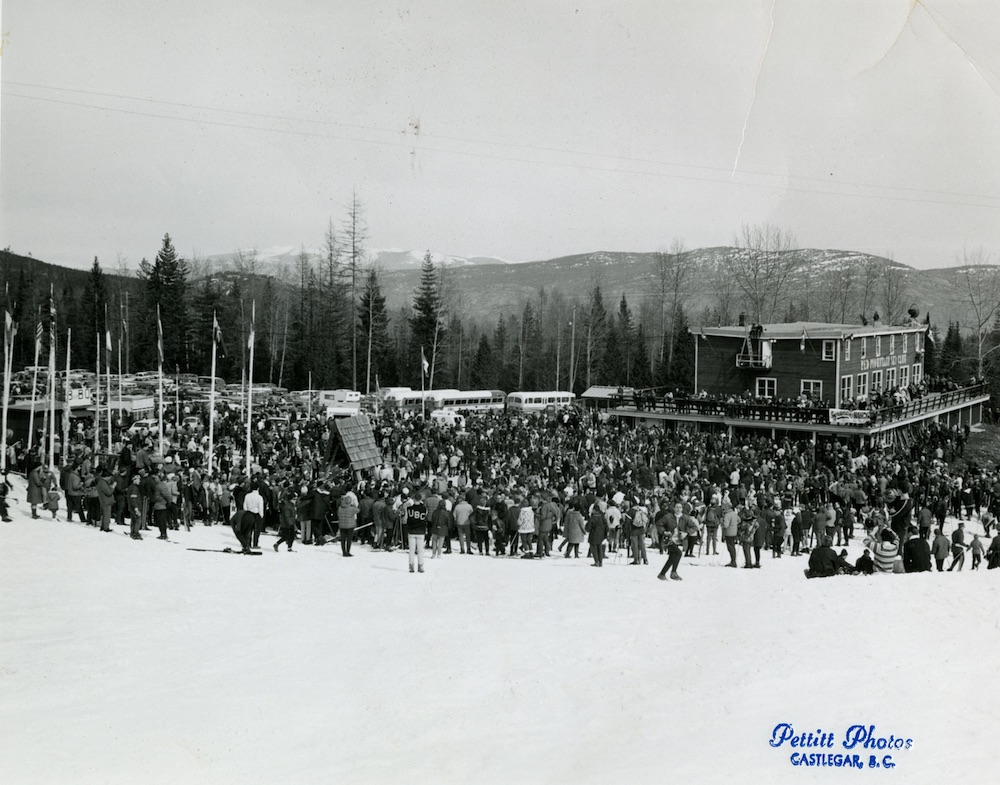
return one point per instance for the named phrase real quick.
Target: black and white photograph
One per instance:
(494, 393)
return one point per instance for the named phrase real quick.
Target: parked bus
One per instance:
(406, 399)
(539, 401)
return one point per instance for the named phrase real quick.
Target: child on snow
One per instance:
(52, 503)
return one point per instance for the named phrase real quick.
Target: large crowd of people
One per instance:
(538, 486)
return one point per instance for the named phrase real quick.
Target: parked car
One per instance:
(144, 427)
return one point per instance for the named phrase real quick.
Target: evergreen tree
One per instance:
(640, 372)
(91, 322)
(595, 335)
(682, 369)
(165, 284)
(484, 372)
(374, 320)
(426, 329)
(952, 353)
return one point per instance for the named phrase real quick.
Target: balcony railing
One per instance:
(816, 415)
(753, 360)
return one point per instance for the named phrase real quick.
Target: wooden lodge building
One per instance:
(810, 379)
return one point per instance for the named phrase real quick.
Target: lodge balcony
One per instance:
(648, 405)
(754, 360)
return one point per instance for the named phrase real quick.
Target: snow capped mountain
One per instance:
(384, 258)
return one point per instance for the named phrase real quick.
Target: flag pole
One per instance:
(97, 399)
(65, 452)
(107, 364)
(177, 396)
(34, 381)
(211, 395)
(52, 400)
(159, 353)
(8, 359)
(249, 412)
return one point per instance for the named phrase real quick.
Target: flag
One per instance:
(802, 342)
(10, 328)
(426, 366)
(159, 337)
(217, 334)
(39, 330)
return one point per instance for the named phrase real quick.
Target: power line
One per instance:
(514, 145)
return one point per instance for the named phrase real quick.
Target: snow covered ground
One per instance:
(144, 662)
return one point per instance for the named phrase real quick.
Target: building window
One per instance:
(918, 342)
(890, 378)
(829, 350)
(878, 345)
(918, 373)
(847, 349)
(846, 388)
(892, 344)
(862, 385)
(904, 376)
(864, 348)
(812, 388)
(876, 381)
(767, 387)
(906, 341)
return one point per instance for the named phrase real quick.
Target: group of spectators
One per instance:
(531, 485)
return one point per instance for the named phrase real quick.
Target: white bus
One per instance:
(406, 399)
(539, 401)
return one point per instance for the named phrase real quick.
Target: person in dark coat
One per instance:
(824, 562)
(940, 549)
(39, 485)
(243, 524)
(287, 515)
(74, 495)
(597, 533)
(916, 552)
(105, 497)
(676, 538)
(320, 498)
(574, 529)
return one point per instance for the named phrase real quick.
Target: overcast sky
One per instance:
(521, 130)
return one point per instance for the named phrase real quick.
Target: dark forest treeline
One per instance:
(303, 327)
(325, 320)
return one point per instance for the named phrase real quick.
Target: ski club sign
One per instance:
(874, 363)
(858, 747)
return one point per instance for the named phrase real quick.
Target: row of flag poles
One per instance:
(10, 331)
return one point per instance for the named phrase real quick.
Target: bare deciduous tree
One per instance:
(869, 274)
(838, 292)
(761, 265)
(672, 275)
(978, 298)
(894, 293)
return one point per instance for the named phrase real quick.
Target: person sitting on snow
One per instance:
(824, 561)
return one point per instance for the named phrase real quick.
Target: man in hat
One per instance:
(958, 547)
(745, 532)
